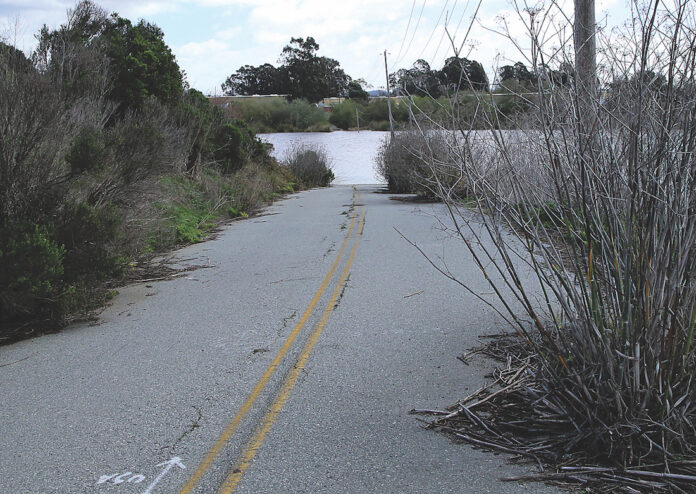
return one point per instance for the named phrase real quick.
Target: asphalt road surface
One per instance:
(288, 364)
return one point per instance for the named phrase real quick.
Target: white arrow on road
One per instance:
(168, 465)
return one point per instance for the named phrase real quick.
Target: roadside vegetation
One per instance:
(503, 106)
(581, 220)
(267, 115)
(107, 157)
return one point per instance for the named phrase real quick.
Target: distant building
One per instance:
(226, 101)
(333, 101)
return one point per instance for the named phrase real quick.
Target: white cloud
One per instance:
(355, 32)
(202, 63)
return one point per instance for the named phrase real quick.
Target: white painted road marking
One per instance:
(124, 477)
(168, 465)
(136, 478)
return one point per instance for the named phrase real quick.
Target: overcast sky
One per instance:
(213, 38)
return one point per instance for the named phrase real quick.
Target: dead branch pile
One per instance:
(530, 415)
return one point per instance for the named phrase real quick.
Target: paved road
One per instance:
(287, 366)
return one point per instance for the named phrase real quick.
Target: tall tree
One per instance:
(461, 73)
(72, 55)
(14, 60)
(419, 80)
(264, 79)
(311, 77)
(301, 74)
(93, 47)
(517, 72)
(355, 91)
(142, 63)
(335, 79)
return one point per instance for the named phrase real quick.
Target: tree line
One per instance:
(303, 74)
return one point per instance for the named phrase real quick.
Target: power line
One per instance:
(432, 60)
(468, 31)
(410, 16)
(415, 30)
(437, 24)
(459, 24)
(444, 32)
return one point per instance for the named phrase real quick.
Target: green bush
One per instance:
(278, 115)
(31, 267)
(234, 144)
(137, 144)
(381, 125)
(323, 126)
(85, 187)
(377, 110)
(191, 224)
(343, 115)
(303, 114)
(89, 235)
(87, 152)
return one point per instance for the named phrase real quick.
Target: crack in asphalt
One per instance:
(286, 321)
(194, 425)
(343, 291)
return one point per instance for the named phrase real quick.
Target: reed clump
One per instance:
(310, 164)
(595, 201)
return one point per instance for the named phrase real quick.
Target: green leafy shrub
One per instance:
(191, 225)
(277, 114)
(323, 126)
(89, 235)
(303, 114)
(234, 144)
(343, 115)
(93, 174)
(138, 143)
(228, 152)
(87, 152)
(380, 125)
(31, 267)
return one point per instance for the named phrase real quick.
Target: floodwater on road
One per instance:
(352, 153)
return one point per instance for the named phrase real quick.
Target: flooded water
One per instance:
(352, 153)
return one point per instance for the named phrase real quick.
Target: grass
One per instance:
(191, 209)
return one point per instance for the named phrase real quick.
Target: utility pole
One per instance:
(585, 60)
(386, 72)
(357, 118)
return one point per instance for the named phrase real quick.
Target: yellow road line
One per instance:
(261, 384)
(271, 416)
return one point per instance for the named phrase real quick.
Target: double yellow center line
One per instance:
(282, 396)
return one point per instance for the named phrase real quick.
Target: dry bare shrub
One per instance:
(599, 194)
(424, 162)
(251, 187)
(311, 165)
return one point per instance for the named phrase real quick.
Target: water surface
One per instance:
(352, 153)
